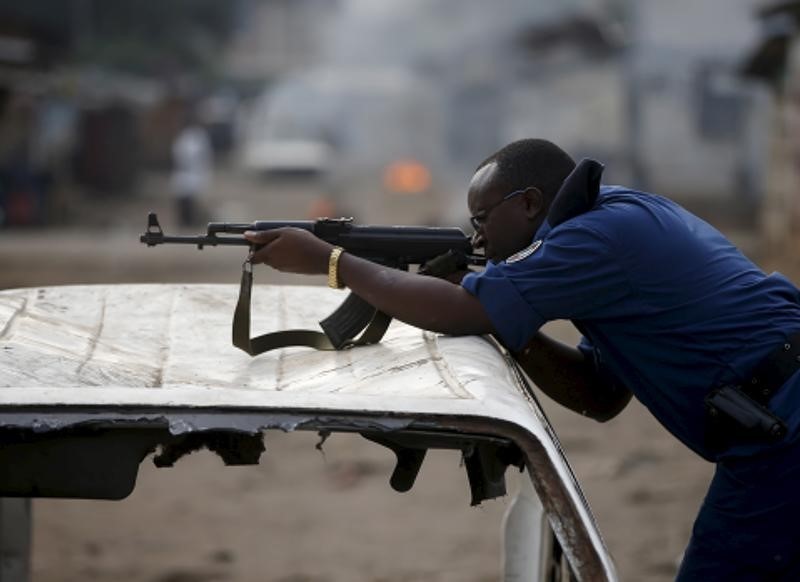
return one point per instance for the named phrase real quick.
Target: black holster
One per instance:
(734, 416)
(738, 413)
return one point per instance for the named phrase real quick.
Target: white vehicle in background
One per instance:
(93, 379)
(371, 140)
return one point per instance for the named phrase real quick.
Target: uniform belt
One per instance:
(773, 371)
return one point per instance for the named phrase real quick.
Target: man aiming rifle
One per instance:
(669, 311)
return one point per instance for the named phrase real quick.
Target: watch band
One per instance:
(333, 268)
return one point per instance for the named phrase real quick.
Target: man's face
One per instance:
(504, 222)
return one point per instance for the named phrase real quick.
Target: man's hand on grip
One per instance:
(291, 250)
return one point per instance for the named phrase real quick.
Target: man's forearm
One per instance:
(425, 302)
(563, 373)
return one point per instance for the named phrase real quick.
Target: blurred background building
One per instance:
(774, 60)
(383, 109)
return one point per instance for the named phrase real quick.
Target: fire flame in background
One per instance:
(407, 177)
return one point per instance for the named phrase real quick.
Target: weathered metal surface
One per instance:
(162, 353)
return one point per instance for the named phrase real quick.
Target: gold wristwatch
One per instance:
(333, 268)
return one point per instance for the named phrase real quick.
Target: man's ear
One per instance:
(534, 202)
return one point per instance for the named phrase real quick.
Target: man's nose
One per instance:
(478, 241)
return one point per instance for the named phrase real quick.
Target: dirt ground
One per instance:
(308, 516)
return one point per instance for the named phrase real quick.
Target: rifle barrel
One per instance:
(153, 239)
(395, 244)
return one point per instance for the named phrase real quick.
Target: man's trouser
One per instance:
(748, 527)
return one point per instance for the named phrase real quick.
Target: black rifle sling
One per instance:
(340, 327)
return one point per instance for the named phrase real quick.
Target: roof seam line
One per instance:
(11, 320)
(164, 352)
(450, 379)
(95, 337)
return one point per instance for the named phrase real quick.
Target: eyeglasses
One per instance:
(479, 219)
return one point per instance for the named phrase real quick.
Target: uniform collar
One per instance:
(578, 194)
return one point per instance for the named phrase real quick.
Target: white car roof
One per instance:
(72, 353)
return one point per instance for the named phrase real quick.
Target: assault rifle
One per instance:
(438, 250)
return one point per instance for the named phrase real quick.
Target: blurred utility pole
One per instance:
(15, 539)
(632, 93)
(81, 23)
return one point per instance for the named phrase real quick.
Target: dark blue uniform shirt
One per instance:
(667, 306)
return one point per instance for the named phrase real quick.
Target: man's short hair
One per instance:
(531, 162)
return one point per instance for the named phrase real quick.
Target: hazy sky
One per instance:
(407, 31)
